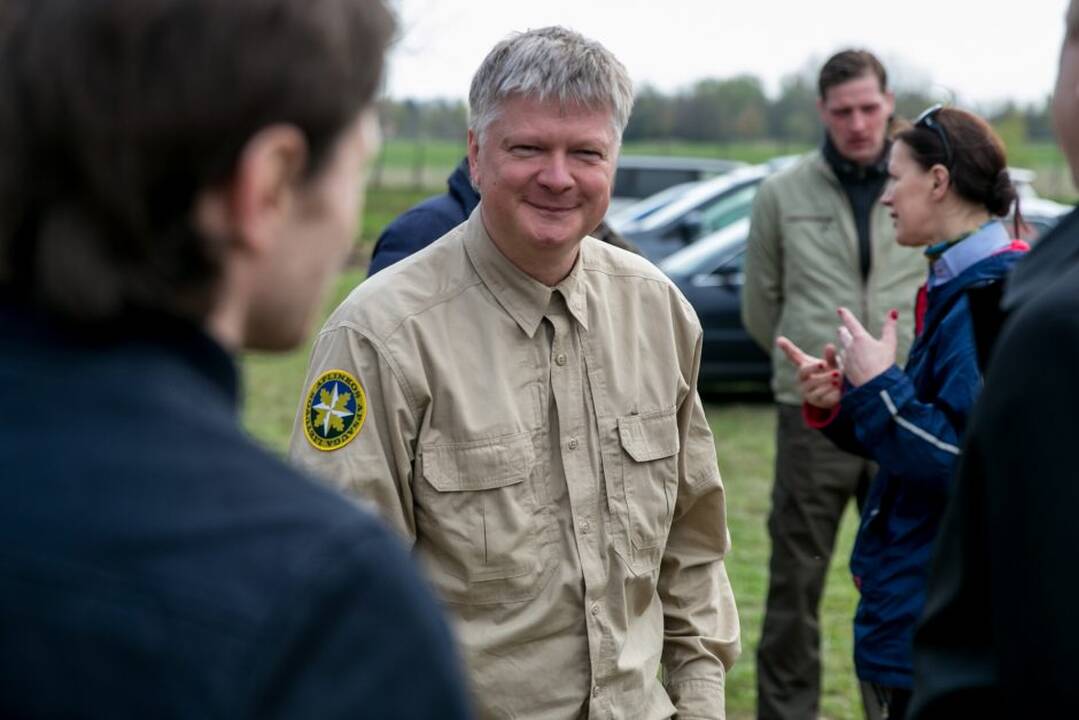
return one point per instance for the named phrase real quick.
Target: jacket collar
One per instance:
(148, 333)
(991, 268)
(460, 186)
(985, 241)
(847, 171)
(523, 298)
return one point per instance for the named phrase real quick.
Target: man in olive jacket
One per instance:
(819, 239)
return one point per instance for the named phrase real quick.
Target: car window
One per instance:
(727, 209)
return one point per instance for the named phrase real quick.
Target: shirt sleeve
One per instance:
(375, 466)
(762, 292)
(701, 631)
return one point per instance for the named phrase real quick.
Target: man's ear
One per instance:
(942, 180)
(253, 206)
(474, 158)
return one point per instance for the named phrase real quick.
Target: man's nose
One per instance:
(555, 174)
(857, 121)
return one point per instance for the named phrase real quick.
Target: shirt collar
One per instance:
(524, 298)
(987, 240)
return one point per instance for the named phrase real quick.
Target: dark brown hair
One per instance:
(979, 165)
(849, 65)
(115, 114)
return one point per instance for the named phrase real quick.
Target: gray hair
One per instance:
(551, 62)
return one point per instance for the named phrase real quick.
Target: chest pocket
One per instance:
(649, 473)
(478, 524)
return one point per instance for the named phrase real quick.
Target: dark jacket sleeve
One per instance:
(414, 230)
(364, 638)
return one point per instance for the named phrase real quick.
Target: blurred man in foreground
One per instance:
(530, 419)
(180, 181)
(1000, 629)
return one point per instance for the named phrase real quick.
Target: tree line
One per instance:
(719, 110)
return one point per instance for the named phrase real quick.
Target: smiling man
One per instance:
(522, 406)
(819, 239)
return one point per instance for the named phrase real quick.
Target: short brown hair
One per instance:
(1071, 21)
(114, 115)
(849, 65)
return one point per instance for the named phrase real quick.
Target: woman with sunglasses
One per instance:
(948, 190)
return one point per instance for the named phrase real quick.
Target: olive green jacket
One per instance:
(802, 263)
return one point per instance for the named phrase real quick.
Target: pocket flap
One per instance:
(479, 465)
(649, 437)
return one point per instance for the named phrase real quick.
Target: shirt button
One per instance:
(595, 691)
(586, 526)
(595, 609)
(560, 358)
(573, 443)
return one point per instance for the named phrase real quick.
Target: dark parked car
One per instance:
(709, 274)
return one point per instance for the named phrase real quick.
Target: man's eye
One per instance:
(524, 149)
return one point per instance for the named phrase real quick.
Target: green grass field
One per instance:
(744, 433)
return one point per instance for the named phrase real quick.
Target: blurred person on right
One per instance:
(999, 635)
(819, 238)
(948, 189)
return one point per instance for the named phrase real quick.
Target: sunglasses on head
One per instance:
(928, 120)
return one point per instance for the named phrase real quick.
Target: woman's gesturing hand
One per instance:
(863, 356)
(818, 379)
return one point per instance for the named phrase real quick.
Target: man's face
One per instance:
(544, 172)
(322, 222)
(855, 114)
(1066, 103)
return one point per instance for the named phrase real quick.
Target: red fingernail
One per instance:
(835, 383)
(894, 314)
(820, 367)
(835, 375)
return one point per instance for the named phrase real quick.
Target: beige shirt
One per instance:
(546, 453)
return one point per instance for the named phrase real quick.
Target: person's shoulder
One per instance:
(1039, 339)
(623, 273)
(805, 168)
(407, 288)
(428, 220)
(606, 259)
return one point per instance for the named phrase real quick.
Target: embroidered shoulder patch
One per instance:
(336, 408)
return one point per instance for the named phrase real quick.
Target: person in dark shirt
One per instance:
(999, 634)
(180, 182)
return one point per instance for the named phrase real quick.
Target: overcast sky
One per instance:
(972, 51)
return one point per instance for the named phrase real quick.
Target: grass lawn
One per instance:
(744, 433)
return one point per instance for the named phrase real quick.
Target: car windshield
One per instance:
(708, 253)
(703, 193)
(626, 217)
(728, 209)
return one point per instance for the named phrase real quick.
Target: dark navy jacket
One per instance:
(154, 562)
(912, 423)
(421, 225)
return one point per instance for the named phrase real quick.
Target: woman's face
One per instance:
(908, 195)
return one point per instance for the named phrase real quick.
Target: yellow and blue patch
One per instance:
(336, 408)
